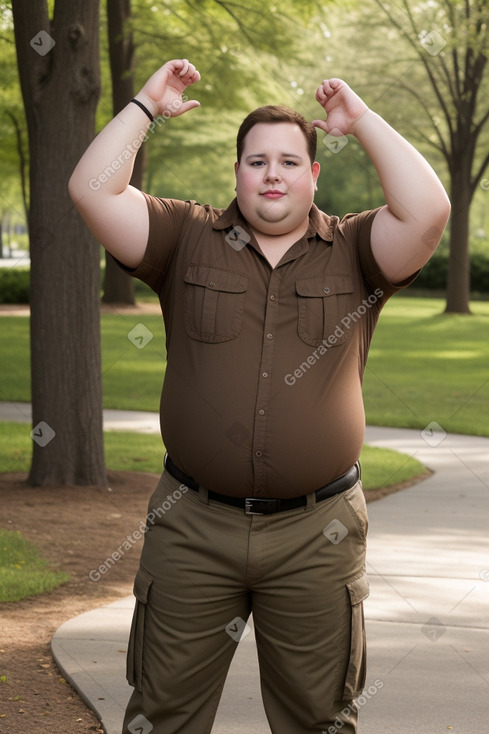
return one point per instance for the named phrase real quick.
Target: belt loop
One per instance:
(310, 501)
(203, 495)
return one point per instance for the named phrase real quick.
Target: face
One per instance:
(275, 180)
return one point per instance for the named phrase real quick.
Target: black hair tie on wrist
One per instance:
(144, 109)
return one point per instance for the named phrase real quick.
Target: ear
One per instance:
(236, 167)
(315, 171)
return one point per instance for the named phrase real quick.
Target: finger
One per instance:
(186, 106)
(191, 76)
(321, 124)
(327, 89)
(320, 95)
(185, 67)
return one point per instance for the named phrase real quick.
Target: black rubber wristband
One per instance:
(144, 109)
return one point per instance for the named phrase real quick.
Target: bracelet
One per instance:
(144, 109)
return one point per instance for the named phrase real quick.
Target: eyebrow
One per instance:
(282, 155)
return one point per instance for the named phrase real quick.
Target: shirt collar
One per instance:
(320, 224)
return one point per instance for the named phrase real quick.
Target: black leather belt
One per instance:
(265, 505)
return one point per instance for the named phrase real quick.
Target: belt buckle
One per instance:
(251, 501)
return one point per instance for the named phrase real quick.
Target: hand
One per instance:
(163, 93)
(342, 106)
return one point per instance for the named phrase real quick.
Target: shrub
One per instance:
(14, 285)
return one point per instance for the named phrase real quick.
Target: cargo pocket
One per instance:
(322, 303)
(214, 303)
(142, 585)
(358, 591)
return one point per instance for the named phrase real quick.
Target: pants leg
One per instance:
(202, 567)
(191, 604)
(308, 615)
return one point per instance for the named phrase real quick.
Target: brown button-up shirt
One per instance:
(262, 393)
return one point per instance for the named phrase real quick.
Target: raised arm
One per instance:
(99, 186)
(407, 230)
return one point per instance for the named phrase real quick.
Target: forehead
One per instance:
(275, 137)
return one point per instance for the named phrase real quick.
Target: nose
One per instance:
(272, 172)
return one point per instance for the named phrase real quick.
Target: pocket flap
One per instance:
(216, 279)
(327, 285)
(358, 589)
(142, 585)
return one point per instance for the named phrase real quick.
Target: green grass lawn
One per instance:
(423, 366)
(428, 366)
(22, 570)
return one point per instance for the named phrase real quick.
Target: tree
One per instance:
(118, 286)
(451, 39)
(58, 64)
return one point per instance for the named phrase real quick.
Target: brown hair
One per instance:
(277, 113)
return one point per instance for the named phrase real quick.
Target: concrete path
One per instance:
(427, 615)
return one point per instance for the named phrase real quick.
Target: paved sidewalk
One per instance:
(427, 615)
(114, 420)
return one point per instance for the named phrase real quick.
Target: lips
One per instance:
(273, 194)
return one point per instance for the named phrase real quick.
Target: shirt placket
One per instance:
(264, 391)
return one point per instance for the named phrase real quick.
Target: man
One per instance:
(269, 309)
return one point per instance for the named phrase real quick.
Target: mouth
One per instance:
(272, 194)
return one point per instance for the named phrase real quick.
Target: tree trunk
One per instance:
(60, 80)
(458, 282)
(118, 286)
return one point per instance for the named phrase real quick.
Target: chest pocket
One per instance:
(214, 303)
(323, 302)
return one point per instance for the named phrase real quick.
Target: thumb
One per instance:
(186, 106)
(322, 124)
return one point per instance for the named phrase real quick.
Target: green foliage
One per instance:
(23, 572)
(12, 122)
(434, 274)
(14, 285)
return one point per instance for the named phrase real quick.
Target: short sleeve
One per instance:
(166, 218)
(357, 229)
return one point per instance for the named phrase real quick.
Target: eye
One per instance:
(290, 163)
(256, 164)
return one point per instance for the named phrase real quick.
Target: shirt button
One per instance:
(272, 297)
(258, 453)
(326, 290)
(261, 412)
(212, 284)
(265, 374)
(269, 336)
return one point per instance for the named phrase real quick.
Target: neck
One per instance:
(275, 246)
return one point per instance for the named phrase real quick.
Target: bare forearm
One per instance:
(106, 166)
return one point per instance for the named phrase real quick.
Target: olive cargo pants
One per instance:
(204, 567)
